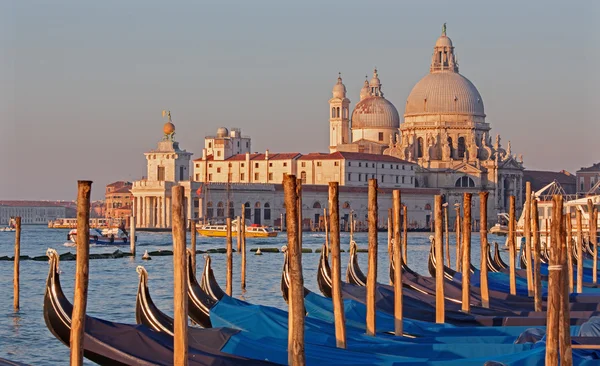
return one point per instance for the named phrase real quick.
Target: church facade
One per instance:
(444, 131)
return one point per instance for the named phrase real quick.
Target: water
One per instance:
(113, 282)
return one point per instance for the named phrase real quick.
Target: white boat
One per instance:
(12, 226)
(97, 237)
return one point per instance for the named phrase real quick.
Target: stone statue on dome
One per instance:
(444, 29)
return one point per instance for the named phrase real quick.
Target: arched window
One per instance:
(338, 112)
(231, 210)
(464, 182)
(346, 205)
(450, 144)
(303, 177)
(220, 209)
(461, 147)
(332, 112)
(209, 210)
(420, 147)
(317, 204)
(267, 211)
(247, 210)
(257, 205)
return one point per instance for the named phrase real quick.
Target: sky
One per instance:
(83, 83)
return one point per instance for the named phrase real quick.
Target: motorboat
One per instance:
(100, 237)
(251, 231)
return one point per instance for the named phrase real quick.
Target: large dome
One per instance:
(444, 92)
(375, 112)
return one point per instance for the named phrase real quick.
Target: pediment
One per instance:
(465, 168)
(510, 164)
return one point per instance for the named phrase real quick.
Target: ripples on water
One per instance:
(113, 282)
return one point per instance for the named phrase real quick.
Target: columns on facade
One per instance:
(147, 211)
(168, 211)
(163, 218)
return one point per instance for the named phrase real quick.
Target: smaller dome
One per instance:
(168, 128)
(339, 89)
(365, 91)
(375, 82)
(375, 112)
(222, 132)
(443, 41)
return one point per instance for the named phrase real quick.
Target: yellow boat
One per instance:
(252, 231)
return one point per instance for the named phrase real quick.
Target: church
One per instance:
(444, 132)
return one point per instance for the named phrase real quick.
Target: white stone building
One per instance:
(31, 212)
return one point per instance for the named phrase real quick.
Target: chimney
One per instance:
(203, 154)
(267, 154)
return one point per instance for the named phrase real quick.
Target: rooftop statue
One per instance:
(444, 29)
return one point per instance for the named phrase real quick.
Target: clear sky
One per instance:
(83, 83)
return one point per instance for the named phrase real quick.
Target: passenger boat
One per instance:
(103, 237)
(252, 231)
(11, 226)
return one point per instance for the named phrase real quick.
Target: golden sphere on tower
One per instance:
(168, 128)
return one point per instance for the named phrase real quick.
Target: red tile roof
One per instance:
(339, 155)
(272, 156)
(23, 203)
(122, 190)
(119, 183)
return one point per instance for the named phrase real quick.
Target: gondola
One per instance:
(491, 263)
(353, 273)
(146, 312)
(498, 258)
(208, 283)
(285, 276)
(110, 343)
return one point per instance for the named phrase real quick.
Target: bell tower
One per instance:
(339, 116)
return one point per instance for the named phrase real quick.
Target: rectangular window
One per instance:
(270, 165)
(160, 173)
(256, 165)
(396, 179)
(402, 179)
(403, 166)
(372, 176)
(359, 164)
(218, 153)
(411, 167)
(373, 165)
(349, 177)
(382, 166)
(210, 165)
(197, 165)
(396, 166)
(284, 164)
(209, 145)
(197, 177)
(411, 180)
(229, 165)
(359, 177)
(303, 164)
(210, 177)
(218, 170)
(319, 163)
(242, 176)
(349, 163)
(238, 144)
(270, 176)
(382, 178)
(380, 136)
(256, 176)
(242, 165)
(337, 163)
(246, 144)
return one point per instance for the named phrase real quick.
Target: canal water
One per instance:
(113, 282)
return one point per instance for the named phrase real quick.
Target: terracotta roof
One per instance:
(23, 203)
(338, 155)
(593, 168)
(324, 188)
(119, 183)
(122, 190)
(272, 156)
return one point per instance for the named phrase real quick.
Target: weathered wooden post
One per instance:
(483, 280)
(300, 225)
(390, 226)
(238, 232)
(537, 276)
(193, 245)
(439, 265)
(527, 234)
(398, 318)
(372, 273)
(564, 337)
(243, 228)
(180, 323)
(296, 294)
(228, 244)
(336, 271)
(511, 245)
(84, 188)
(132, 235)
(554, 277)
(569, 252)
(592, 230)
(243, 255)
(16, 283)
(405, 234)
(351, 226)
(447, 234)
(457, 239)
(579, 251)
(466, 254)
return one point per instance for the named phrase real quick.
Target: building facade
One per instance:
(118, 200)
(587, 180)
(31, 212)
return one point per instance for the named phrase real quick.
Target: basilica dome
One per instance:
(375, 112)
(444, 92)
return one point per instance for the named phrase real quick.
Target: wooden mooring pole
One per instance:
(466, 254)
(180, 300)
(243, 258)
(336, 271)
(326, 231)
(390, 232)
(447, 234)
(439, 258)
(132, 235)
(228, 244)
(554, 278)
(457, 239)
(16, 283)
(84, 188)
(300, 225)
(397, 252)
(564, 335)
(372, 271)
(296, 295)
(537, 276)
(405, 234)
(193, 244)
(527, 234)
(569, 250)
(238, 232)
(512, 246)
(579, 251)
(483, 279)
(242, 238)
(593, 240)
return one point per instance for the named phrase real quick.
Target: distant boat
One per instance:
(104, 237)
(12, 226)
(252, 231)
